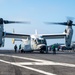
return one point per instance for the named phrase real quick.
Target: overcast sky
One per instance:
(37, 12)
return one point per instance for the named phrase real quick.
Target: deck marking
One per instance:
(30, 68)
(38, 61)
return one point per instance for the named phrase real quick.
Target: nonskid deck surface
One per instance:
(61, 63)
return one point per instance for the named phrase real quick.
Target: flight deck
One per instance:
(61, 63)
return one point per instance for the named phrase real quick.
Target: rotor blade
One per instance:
(73, 24)
(64, 23)
(8, 22)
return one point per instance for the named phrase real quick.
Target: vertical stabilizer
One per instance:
(36, 32)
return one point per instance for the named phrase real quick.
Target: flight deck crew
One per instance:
(19, 46)
(15, 47)
(54, 50)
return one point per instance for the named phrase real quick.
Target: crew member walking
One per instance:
(15, 47)
(54, 50)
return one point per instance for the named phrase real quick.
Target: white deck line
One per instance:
(30, 68)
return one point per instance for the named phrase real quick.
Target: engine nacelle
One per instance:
(1, 35)
(2, 40)
(68, 38)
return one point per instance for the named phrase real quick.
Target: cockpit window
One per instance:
(41, 41)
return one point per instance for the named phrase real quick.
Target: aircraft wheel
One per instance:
(31, 51)
(41, 51)
(22, 51)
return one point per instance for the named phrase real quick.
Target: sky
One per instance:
(37, 12)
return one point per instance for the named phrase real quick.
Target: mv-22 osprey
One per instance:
(36, 41)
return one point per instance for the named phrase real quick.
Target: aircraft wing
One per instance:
(12, 35)
(53, 36)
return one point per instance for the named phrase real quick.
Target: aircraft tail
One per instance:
(36, 32)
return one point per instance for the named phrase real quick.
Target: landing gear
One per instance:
(41, 51)
(22, 51)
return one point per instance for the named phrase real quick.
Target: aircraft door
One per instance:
(33, 44)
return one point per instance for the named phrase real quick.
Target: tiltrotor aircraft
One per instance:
(37, 41)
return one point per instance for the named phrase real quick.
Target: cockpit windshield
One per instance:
(41, 41)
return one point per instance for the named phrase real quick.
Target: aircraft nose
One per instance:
(42, 47)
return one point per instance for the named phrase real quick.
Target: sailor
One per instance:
(19, 46)
(15, 47)
(54, 50)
